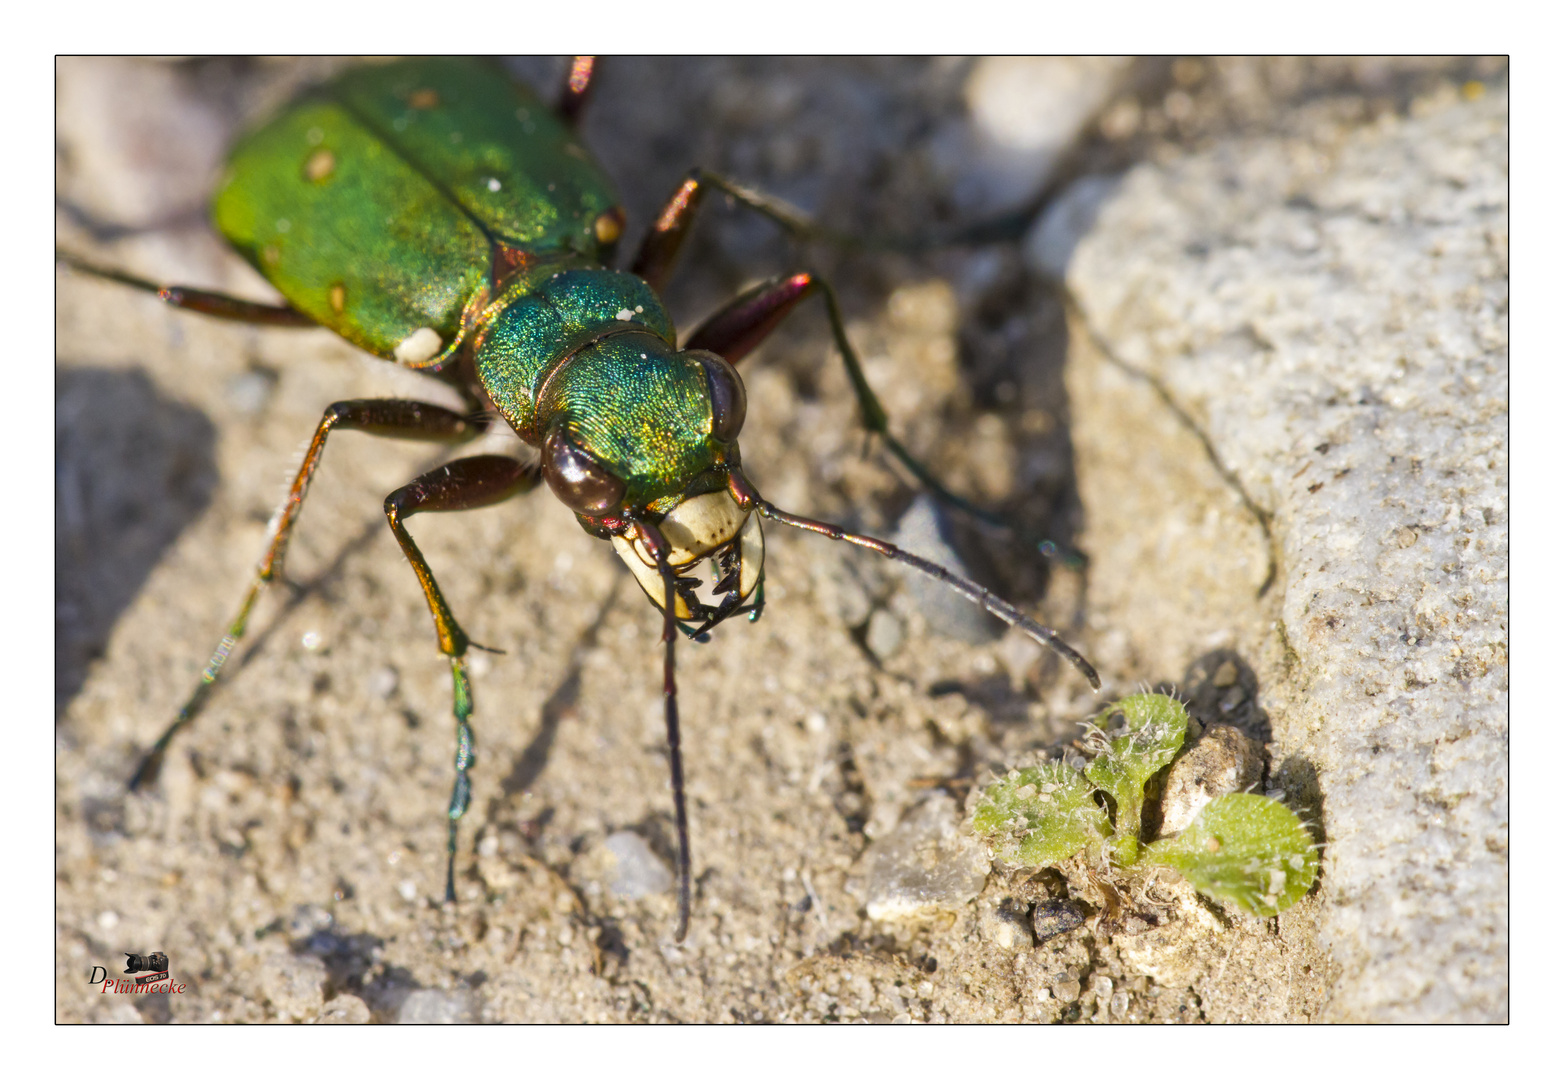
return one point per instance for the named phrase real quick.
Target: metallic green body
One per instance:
(397, 201)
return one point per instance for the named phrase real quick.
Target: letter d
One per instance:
(97, 976)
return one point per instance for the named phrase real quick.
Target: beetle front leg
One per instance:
(737, 328)
(465, 484)
(390, 418)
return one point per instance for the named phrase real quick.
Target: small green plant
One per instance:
(1246, 849)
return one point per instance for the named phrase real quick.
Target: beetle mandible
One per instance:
(437, 215)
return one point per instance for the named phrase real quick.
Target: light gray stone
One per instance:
(947, 611)
(926, 865)
(438, 1007)
(638, 871)
(1025, 113)
(1329, 311)
(294, 985)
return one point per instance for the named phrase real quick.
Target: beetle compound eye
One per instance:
(728, 401)
(579, 480)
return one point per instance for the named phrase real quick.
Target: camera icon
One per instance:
(152, 962)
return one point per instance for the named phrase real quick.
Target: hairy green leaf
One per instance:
(1039, 816)
(1247, 849)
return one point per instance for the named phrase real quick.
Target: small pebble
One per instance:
(345, 1009)
(885, 634)
(1226, 675)
(921, 531)
(383, 682)
(1004, 928)
(925, 865)
(248, 393)
(638, 871)
(1224, 760)
(438, 1007)
(1054, 917)
(294, 985)
(1067, 987)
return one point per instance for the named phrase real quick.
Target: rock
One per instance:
(884, 634)
(1026, 111)
(920, 532)
(638, 871)
(1004, 925)
(1225, 760)
(1050, 918)
(345, 1009)
(1306, 339)
(295, 986)
(438, 1007)
(926, 865)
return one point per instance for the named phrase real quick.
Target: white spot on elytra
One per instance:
(283, 224)
(639, 310)
(494, 185)
(625, 315)
(422, 344)
(314, 136)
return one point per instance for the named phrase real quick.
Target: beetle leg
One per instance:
(737, 328)
(385, 417)
(576, 89)
(464, 484)
(660, 247)
(657, 544)
(219, 305)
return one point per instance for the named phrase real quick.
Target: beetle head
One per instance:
(702, 528)
(689, 504)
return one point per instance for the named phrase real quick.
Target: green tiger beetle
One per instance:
(437, 215)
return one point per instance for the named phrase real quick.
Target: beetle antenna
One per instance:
(658, 546)
(970, 589)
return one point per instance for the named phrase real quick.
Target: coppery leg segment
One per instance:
(219, 305)
(577, 88)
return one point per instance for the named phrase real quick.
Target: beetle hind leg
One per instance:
(218, 305)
